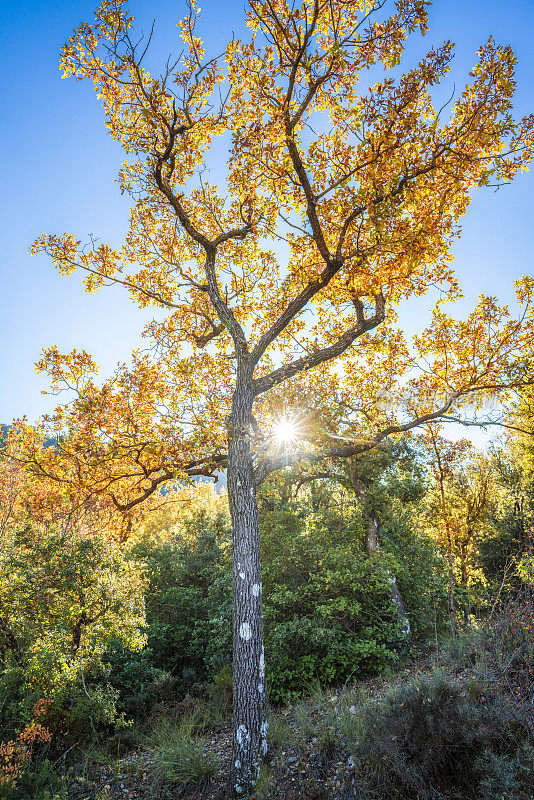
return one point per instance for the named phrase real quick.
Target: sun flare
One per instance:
(285, 431)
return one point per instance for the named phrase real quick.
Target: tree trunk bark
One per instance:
(371, 547)
(250, 701)
(451, 582)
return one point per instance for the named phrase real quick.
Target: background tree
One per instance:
(362, 187)
(512, 496)
(375, 479)
(463, 498)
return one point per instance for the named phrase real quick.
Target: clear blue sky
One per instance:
(59, 166)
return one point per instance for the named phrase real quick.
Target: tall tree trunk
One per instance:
(250, 702)
(451, 584)
(372, 547)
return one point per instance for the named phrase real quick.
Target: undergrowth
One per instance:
(178, 754)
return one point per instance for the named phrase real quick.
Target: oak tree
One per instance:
(338, 202)
(68, 589)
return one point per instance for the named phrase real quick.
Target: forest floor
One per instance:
(305, 760)
(293, 773)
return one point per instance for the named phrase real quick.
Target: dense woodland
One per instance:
(112, 644)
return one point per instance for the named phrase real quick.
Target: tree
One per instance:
(462, 501)
(68, 590)
(368, 480)
(338, 202)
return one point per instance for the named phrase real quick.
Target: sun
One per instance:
(285, 430)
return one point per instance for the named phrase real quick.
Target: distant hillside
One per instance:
(4, 428)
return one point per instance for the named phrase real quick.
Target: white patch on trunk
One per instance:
(262, 663)
(243, 736)
(242, 575)
(245, 631)
(256, 589)
(264, 727)
(238, 764)
(260, 688)
(251, 491)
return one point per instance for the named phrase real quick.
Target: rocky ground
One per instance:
(306, 770)
(290, 774)
(303, 765)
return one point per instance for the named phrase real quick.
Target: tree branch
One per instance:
(349, 448)
(293, 308)
(201, 467)
(276, 377)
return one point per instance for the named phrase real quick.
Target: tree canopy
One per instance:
(338, 205)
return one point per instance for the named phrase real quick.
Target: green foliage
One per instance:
(420, 571)
(430, 739)
(65, 597)
(136, 679)
(505, 652)
(329, 621)
(509, 538)
(188, 600)
(41, 781)
(327, 607)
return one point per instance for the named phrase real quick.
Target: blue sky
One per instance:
(59, 166)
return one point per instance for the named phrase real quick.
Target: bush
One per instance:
(430, 739)
(66, 597)
(420, 572)
(506, 652)
(139, 683)
(188, 603)
(327, 606)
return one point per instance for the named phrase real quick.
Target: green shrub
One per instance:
(505, 652)
(66, 597)
(139, 683)
(420, 572)
(188, 603)
(327, 607)
(41, 781)
(429, 739)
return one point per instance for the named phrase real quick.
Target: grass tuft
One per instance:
(178, 756)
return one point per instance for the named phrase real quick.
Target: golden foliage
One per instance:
(337, 204)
